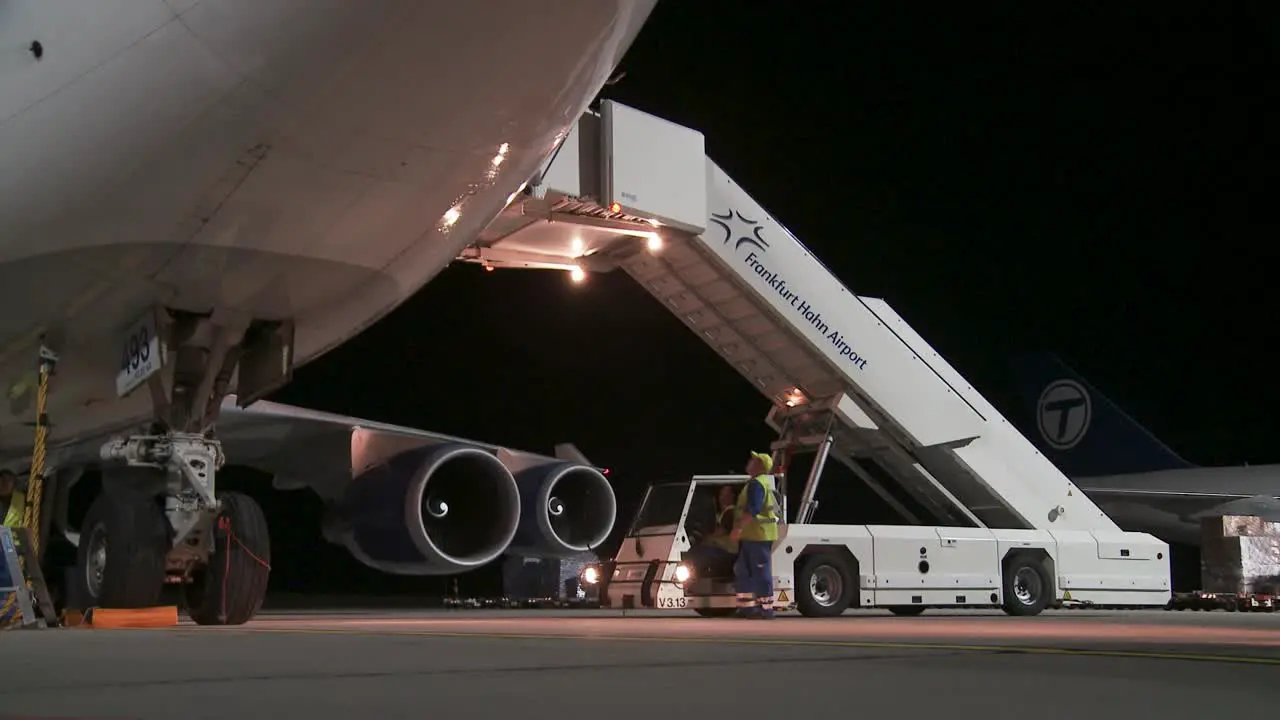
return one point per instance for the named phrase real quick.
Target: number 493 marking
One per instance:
(141, 355)
(137, 350)
(673, 602)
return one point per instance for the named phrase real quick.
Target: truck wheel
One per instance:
(716, 612)
(230, 587)
(825, 587)
(1028, 590)
(120, 561)
(907, 610)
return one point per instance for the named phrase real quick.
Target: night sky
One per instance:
(1089, 184)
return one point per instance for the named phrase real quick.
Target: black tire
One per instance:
(230, 588)
(1028, 588)
(907, 610)
(136, 536)
(815, 594)
(717, 612)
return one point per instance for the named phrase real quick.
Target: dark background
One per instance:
(1090, 183)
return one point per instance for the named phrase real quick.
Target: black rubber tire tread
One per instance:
(906, 610)
(137, 543)
(1011, 604)
(717, 612)
(805, 602)
(242, 573)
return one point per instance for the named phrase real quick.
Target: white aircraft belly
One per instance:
(283, 158)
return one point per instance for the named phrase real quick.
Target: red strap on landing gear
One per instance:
(224, 524)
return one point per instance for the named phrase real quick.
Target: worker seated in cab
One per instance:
(714, 554)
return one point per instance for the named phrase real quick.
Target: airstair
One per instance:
(626, 190)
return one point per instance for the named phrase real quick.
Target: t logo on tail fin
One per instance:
(1063, 414)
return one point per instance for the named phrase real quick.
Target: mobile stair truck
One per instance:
(994, 523)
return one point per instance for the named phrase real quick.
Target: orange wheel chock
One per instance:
(111, 619)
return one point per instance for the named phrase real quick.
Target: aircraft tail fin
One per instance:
(1079, 428)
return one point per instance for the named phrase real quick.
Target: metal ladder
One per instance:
(24, 600)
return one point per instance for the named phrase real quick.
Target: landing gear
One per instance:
(160, 518)
(230, 587)
(121, 558)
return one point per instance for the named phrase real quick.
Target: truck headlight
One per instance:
(590, 575)
(683, 573)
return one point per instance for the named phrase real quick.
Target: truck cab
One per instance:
(655, 567)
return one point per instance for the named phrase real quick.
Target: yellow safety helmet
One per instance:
(765, 460)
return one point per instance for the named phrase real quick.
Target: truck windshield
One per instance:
(662, 507)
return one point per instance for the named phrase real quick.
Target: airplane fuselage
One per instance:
(313, 160)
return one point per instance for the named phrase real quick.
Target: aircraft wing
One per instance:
(323, 451)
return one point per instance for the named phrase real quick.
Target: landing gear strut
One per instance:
(160, 518)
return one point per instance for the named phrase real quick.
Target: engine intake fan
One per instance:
(565, 509)
(432, 511)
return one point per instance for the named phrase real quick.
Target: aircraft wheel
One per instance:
(120, 561)
(230, 587)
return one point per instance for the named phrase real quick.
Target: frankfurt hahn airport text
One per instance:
(807, 311)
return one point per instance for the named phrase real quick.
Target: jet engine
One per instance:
(433, 511)
(566, 508)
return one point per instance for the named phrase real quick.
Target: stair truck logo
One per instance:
(746, 232)
(1063, 413)
(754, 239)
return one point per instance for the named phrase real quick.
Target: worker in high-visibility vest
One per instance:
(715, 554)
(756, 530)
(12, 501)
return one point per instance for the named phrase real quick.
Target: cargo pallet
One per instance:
(1231, 602)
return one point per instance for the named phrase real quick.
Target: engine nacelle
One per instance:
(433, 511)
(565, 509)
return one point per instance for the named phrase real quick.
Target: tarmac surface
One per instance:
(545, 664)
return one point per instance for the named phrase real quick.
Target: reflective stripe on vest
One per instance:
(762, 527)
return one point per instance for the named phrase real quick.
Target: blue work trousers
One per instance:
(753, 573)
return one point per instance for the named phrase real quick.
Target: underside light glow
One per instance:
(488, 268)
(502, 154)
(450, 217)
(655, 242)
(577, 246)
(577, 274)
(794, 397)
(590, 575)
